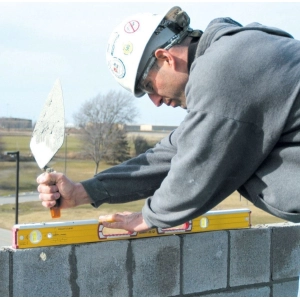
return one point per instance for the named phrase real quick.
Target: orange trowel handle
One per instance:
(55, 210)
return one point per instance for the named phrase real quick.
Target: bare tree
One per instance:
(100, 118)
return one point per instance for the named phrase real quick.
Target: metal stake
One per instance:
(16, 153)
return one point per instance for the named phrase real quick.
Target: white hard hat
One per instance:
(133, 42)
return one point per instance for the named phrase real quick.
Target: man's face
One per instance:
(165, 85)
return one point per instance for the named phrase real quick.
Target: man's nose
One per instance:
(156, 99)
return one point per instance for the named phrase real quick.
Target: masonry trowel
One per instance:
(48, 134)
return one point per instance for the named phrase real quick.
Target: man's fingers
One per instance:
(44, 178)
(117, 217)
(48, 204)
(126, 220)
(49, 197)
(47, 189)
(48, 178)
(115, 221)
(126, 213)
(113, 225)
(111, 218)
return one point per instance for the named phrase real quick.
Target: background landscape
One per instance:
(43, 41)
(67, 161)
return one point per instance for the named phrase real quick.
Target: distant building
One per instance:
(148, 127)
(15, 123)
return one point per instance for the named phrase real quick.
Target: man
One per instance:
(240, 86)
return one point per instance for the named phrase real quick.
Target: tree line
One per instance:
(103, 136)
(101, 120)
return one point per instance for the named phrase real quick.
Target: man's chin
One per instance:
(175, 104)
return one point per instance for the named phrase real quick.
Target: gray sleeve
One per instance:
(215, 156)
(134, 179)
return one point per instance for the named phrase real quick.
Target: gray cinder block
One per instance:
(40, 272)
(286, 289)
(4, 273)
(156, 266)
(286, 252)
(249, 256)
(204, 261)
(102, 269)
(245, 292)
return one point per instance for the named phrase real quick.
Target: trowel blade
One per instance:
(49, 131)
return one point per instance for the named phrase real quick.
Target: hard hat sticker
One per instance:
(117, 67)
(111, 44)
(127, 48)
(131, 26)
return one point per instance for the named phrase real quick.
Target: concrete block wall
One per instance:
(261, 262)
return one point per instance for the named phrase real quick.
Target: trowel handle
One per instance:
(55, 210)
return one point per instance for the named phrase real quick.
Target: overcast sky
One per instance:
(43, 41)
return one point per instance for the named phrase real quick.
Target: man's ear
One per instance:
(162, 54)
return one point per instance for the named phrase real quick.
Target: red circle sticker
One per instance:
(131, 26)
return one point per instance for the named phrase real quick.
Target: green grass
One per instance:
(17, 143)
(20, 142)
(28, 171)
(64, 161)
(77, 170)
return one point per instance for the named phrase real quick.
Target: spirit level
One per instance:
(88, 231)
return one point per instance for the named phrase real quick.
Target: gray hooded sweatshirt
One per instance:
(241, 132)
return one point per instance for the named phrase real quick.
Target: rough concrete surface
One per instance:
(204, 262)
(44, 271)
(101, 270)
(286, 252)
(4, 273)
(249, 256)
(156, 266)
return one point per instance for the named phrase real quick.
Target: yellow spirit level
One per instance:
(88, 231)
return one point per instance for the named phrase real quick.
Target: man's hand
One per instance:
(54, 186)
(125, 220)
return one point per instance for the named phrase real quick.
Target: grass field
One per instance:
(20, 142)
(64, 161)
(76, 170)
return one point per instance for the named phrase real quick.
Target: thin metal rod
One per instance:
(17, 189)
(16, 154)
